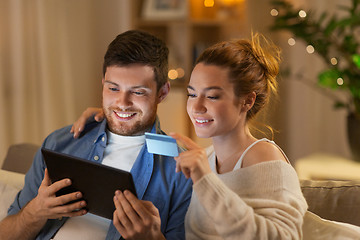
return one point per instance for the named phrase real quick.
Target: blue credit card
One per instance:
(161, 144)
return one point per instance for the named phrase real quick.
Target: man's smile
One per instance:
(124, 116)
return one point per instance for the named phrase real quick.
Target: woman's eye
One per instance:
(190, 95)
(213, 97)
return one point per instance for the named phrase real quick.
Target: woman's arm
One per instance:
(266, 204)
(261, 201)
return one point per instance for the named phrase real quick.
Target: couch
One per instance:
(16, 163)
(332, 200)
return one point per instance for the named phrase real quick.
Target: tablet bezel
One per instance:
(95, 181)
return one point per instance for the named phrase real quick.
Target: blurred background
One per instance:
(51, 54)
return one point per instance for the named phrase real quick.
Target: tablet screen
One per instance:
(95, 181)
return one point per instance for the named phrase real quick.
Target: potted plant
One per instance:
(336, 40)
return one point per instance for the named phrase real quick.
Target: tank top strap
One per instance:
(239, 163)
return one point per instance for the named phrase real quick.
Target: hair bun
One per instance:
(268, 56)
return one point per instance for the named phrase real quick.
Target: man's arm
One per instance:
(27, 223)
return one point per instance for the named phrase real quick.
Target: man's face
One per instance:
(130, 99)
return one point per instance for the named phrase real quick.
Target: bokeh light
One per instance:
(274, 12)
(291, 42)
(310, 49)
(340, 81)
(302, 13)
(172, 74)
(334, 61)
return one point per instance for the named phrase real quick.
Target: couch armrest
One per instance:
(333, 200)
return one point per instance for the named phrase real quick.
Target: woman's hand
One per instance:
(193, 162)
(89, 113)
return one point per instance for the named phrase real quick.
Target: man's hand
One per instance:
(136, 219)
(31, 219)
(89, 113)
(47, 206)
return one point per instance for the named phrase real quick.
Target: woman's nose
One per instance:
(199, 105)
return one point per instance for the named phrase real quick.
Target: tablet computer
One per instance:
(95, 181)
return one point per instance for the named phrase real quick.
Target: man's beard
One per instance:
(131, 128)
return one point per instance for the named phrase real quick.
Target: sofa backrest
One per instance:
(333, 200)
(20, 157)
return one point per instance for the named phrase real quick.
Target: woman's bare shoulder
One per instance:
(262, 152)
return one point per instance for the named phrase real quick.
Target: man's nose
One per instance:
(123, 100)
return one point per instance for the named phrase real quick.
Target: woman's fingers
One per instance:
(186, 141)
(89, 113)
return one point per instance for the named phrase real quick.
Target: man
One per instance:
(134, 82)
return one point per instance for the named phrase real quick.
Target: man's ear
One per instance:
(249, 101)
(163, 91)
(102, 80)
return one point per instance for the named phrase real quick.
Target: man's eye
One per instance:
(138, 93)
(113, 89)
(190, 95)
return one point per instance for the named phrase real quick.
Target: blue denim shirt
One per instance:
(154, 177)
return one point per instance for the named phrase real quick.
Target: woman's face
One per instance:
(212, 105)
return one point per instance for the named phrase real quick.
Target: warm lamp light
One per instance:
(209, 3)
(180, 72)
(230, 2)
(173, 74)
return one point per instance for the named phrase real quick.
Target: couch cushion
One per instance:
(333, 200)
(7, 196)
(316, 228)
(10, 184)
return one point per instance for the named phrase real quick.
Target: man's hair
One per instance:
(138, 47)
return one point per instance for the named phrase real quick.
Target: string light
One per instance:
(340, 81)
(291, 41)
(310, 49)
(333, 61)
(302, 14)
(274, 12)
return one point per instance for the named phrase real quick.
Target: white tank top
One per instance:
(239, 163)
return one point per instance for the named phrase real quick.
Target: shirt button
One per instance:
(103, 139)
(96, 158)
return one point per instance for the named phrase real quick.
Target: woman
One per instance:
(245, 188)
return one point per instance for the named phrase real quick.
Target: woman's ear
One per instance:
(163, 91)
(249, 101)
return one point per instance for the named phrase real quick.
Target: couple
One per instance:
(245, 189)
